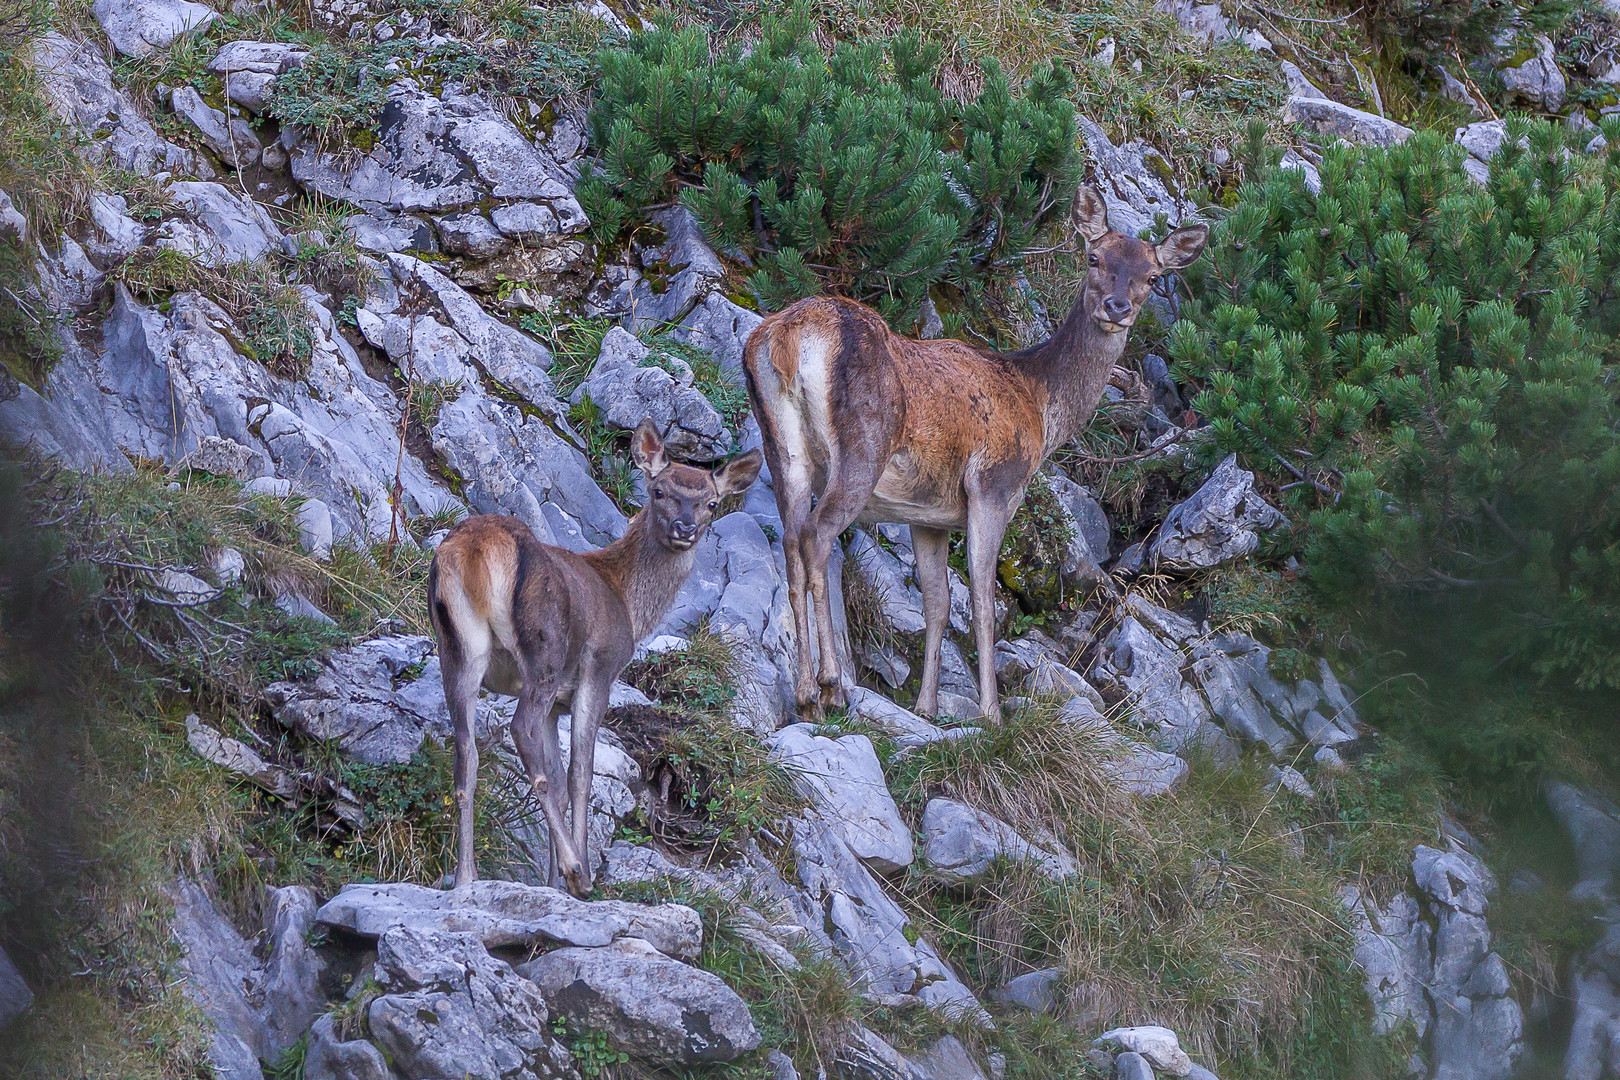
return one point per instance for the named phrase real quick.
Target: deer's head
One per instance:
(682, 499)
(1121, 269)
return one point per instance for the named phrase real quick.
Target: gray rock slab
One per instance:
(139, 27)
(963, 844)
(502, 913)
(844, 780)
(651, 1006)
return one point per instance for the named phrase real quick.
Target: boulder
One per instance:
(1146, 772)
(908, 730)
(1538, 80)
(843, 779)
(471, 234)
(115, 235)
(233, 140)
(1220, 522)
(1133, 1066)
(721, 328)
(220, 227)
(1136, 666)
(138, 27)
(626, 389)
(331, 1057)
(258, 57)
(1593, 824)
(962, 844)
(649, 1005)
(505, 913)
(1207, 22)
(454, 1010)
(1333, 120)
(1033, 991)
(1158, 1045)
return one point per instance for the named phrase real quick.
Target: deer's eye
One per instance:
(1092, 260)
(1153, 279)
(713, 503)
(658, 493)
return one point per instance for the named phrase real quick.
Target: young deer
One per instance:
(861, 424)
(554, 629)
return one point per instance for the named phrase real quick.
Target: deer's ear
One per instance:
(1182, 247)
(1089, 213)
(647, 449)
(738, 474)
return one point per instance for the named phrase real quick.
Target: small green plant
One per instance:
(337, 94)
(725, 392)
(289, 1064)
(427, 397)
(1035, 548)
(574, 344)
(593, 1051)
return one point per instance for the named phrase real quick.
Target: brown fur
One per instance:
(554, 628)
(861, 424)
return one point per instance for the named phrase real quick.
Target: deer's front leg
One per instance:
(987, 524)
(932, 549)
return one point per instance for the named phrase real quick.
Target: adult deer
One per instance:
(554, 629)
(861, 424)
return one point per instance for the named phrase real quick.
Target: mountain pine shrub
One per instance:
(1427, 366)
(850, 172)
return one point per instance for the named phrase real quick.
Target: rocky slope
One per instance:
(459, 216)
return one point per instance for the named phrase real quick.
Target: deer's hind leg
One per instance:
(847, 493)
(534, 733)
(464, 654)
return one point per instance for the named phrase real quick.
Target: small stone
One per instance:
(1129, 1066)
(1033, 991)
(315, 528)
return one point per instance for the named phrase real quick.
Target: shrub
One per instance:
(1425, 366)
(337, 94)
(850, 171)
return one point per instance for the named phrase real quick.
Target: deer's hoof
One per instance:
(832, 695)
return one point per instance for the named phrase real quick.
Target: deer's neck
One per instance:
(1069, 372)
(646, 574)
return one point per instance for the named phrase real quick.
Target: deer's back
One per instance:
(540, 602)
(828, 377)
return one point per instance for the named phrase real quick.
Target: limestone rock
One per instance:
(1034, 991)
(454, 1010)
(1220, 522)
(238, 757)
(232, 139)
(332, 1058)
(137, 27)
(843, 779)
(867, 928)
(1333, 120)
(1148, 773)
(626, 390)
(1538, 80)
(503, 913)
(15, 997)
(1134, 181)
(687, 264)
(1158, 1045)
(963, 844)
(78, 82)
(651, 1006)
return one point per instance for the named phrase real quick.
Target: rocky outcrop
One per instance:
(1191, 686)
(1427, 961)
(454, 1010)
(649, 1005)
(1593, 824)
(1537, 81)
(257, 1007)
(626, 389)
(867, 928)
(15, 997)
(1222, 521)
(78, 83)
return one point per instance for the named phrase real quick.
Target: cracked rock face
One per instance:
(844, 780)
(963, 844)
(138, 27)
(650, 1005)
(455, 1010)
(626, 390)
